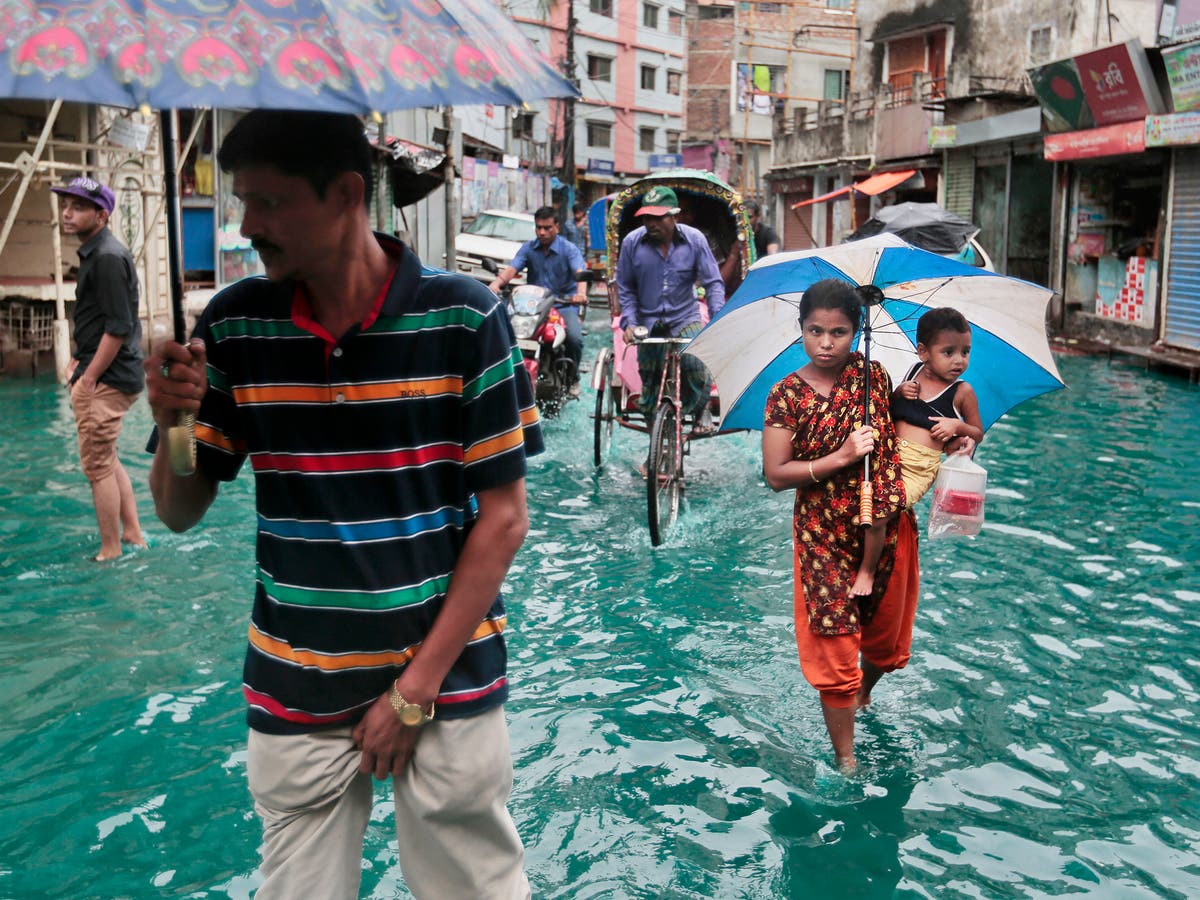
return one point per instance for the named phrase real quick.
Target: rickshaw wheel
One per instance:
(664, 473)
(604, 422)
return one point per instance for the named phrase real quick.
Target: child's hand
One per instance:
(963, 445)
(909, 390)
(944, 428)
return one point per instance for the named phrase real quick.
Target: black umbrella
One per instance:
(924, 225)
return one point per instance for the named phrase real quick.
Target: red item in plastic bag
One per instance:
(959, 503)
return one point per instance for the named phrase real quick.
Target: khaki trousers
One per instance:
(456, 837)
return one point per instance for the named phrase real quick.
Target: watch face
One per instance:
(411, 714)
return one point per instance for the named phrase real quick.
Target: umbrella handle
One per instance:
(181, 444)
(866, 500)
(181, 437)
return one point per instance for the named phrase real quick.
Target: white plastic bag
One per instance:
(958, 496)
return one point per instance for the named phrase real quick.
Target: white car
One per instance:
(496, 235)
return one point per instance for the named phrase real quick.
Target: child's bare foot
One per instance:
(862, 700)
(864, 583)
(847, 765)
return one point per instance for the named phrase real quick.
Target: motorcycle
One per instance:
(541, 334)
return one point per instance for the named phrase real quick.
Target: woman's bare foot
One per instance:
(847, 765)
(862, 700)
(864, 583)
(136, 540)
(107, 555)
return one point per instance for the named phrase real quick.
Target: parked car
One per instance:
(495, 234)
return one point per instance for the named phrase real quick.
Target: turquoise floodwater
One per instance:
(1043, 742)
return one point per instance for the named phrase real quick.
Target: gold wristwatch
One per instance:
(410, 714)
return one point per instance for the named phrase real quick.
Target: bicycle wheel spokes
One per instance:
(606, 413)
(664, 473)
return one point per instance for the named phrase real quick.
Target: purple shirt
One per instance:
(655, 289)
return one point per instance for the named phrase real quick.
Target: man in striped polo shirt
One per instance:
(378, 404)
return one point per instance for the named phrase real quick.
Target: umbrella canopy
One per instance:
(754, 341)
(266, 54)
(924, 225)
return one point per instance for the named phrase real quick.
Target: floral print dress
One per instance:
(828, 544)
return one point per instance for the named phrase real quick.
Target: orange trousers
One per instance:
(830, 663)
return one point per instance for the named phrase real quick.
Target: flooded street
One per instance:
(1043, 741)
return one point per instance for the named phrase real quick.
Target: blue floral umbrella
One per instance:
(755, 339)
(348, 57)
(270, 54)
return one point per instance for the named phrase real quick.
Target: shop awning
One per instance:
(873, 185)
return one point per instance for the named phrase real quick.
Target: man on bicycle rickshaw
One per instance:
(659, 266)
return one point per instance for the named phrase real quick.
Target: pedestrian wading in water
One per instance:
(855, 585)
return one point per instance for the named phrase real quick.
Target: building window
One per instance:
(646, 140)
(836, 84)
(649, 15)
(1041, 44)
(674, 22)
(770, 9)
(759, 86)
(673, 82)
(599, 68)
(673, 141)
(837, 4)
(714, 12)
(599, 134)
(649, 77)
(522, 126)
(601, 7)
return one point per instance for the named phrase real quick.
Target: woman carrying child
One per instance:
(933, 408)
(855, 586)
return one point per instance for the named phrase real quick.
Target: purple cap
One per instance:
(90, 190)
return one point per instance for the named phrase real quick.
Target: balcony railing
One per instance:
(913, 87)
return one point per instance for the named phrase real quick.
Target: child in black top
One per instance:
(933, 408)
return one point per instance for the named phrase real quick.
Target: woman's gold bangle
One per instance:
(811, 473)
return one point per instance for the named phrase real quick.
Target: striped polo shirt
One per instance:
(367, 454)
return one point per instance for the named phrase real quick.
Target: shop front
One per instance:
(1116, 189)
(1111, 188)
(995, 176)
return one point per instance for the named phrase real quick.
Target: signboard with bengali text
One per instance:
(1118, 84)
(1173, 130)
(1183, 74)
(1111, 140)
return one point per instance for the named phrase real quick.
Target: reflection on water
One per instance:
(1043, 741)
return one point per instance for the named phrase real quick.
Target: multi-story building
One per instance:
(942, 108)
(628, 59)
(752, 64)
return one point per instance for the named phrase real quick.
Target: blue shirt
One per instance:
(553, 268)
(653, 288)
(574, 234)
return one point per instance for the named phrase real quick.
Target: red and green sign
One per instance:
(1061, 96)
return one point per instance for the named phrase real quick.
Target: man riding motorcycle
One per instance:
(552, 262)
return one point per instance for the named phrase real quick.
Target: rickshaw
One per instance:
(709, 204)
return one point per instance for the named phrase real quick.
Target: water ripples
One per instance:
(1042, 741)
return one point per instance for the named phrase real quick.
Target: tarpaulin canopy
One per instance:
(872, 185)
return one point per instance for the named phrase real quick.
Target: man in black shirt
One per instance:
(766, 239)
(106, 375)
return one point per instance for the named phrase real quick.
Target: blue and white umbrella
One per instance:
(754, 341)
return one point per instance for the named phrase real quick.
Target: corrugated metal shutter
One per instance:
(1183, 278)
(797, 223)
(960, 183)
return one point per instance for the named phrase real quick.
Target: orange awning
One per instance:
(872, 185)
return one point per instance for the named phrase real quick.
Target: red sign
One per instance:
(1117, 83)
(1112, 140)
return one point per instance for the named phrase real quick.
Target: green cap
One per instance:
(659, 201)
